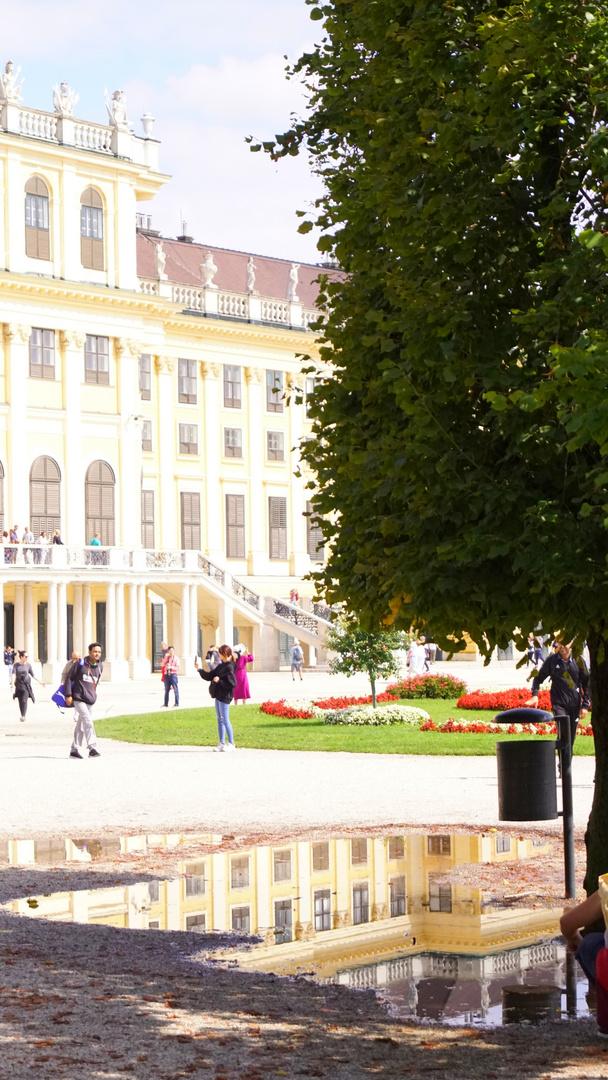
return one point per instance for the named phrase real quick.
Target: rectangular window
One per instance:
(187, 382)
(397, 896)
(282, 865)
(147, 519)
(188, 438)
(320, 857)
(36, 212)
(42, 354)
(145, 377)
(232, 386)
(309, 390)
(277, 527)
(274, 391)
(146, 435)
(440, 897)
(358, 852)
(396, 848)
(314, 536)
(275, 446)
(235, 526)
(37, 232)
(154, 892)
(439, 845)
(360, 904)
(503, 843)
(233, 442)
(239, 872)
(195, 879)
(322, 909)
(190, 506)
(91, 222)
(97, 360)
(196, 923)
(154, 924)
(282, 922)
(241, 919)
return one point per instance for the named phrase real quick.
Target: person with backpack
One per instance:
(296, 657)
(80, 688)
(222, 680)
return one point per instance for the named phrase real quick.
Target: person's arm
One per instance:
(206, 675)
(67, 686)
(249, 658)
(539, 679)
(582, 915)
(35, 677)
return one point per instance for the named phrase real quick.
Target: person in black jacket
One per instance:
(569, 685)
(80, 686)
(222, 681)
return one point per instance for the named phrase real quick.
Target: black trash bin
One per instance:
(527, 783)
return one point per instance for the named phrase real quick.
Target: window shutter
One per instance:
(277, 518)
(314, 536)
(235, 526)
(99, 502)
(86, 252)
(191, 520)
(147, 519)
(31, 242)
(97, 262)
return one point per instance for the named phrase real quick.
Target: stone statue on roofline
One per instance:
(11, 89)
(117, 109)
(251, 269)
(292, 288)
(160, 261)
(64, 99)
(208, 271)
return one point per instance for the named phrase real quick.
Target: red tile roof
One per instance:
(271, 275)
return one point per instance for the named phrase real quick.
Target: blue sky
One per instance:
(211, 72)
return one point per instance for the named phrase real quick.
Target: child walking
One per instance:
(222, 680)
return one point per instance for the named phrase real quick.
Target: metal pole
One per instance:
(565, 749)
(571, 1002)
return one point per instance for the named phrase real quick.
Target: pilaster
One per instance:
(214, 515)
(72, 346)
(255, 513)
(165, 367)
(127, 353)
(16, 342)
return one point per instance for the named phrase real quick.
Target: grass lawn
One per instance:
(255, 730)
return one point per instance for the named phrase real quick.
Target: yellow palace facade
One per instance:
(146, 405)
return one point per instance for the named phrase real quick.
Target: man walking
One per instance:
(569, 686)
(80, 688)
(296, 656)
(168, 674)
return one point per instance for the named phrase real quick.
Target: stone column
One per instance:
(193, 620)
(19, 642)
(72, 344)
(214, 511)
(299, 562)
(50, 670)
(29, 621)
(168, 532)
(142, 636)
(87, 628)
(226, 622)
(127, 354)
(78, 634)
(255, 510)
(16, 367)
(62, 623)
(111, 621)
(133, 643)
(121, 655)
(185, 629)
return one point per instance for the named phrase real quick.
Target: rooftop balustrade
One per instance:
(243, 307)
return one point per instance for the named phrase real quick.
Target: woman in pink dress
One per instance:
(241, 690)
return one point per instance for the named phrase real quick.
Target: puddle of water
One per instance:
(370, 913)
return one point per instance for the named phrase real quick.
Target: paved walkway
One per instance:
(133, 788)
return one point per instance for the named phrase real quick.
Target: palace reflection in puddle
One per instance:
(368, 912)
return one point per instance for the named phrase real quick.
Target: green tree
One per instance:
(363, 650)
(461, 450)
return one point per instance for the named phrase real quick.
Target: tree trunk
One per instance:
(596, 836)
(373, 682)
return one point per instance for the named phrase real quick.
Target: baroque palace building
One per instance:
(144, 399)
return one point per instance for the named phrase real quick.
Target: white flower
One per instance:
(366, 715)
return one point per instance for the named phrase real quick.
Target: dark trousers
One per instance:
(171, 682)
(23, 698)
(586, 955)
(571, 711)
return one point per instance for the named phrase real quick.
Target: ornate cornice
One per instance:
(16, 332)
(72, 339)
(210, 369)
(253, 374)
(165, 365)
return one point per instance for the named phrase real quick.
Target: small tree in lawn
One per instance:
(359, 650)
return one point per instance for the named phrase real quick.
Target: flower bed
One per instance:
(360, 715)
(428, 686)
(345, 702)
(293, 711)
(481, 727)
(503, 699)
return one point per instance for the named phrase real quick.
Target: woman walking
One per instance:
(23, 673)
(241, 690)
(223, 681)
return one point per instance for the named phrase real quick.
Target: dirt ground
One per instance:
(78, 1002)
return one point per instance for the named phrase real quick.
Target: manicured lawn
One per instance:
(255, 730)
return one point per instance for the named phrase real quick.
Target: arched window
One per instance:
(99, 502)
(45, 481)
(91, 229)
(37, 234)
